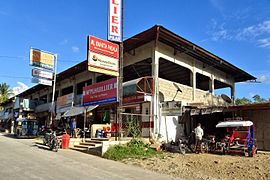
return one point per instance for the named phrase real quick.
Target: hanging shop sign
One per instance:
(42, 74)
(103, 56)
(100, 93)
(171, 108)
(42, 59)
(41, 81)
(115, 21)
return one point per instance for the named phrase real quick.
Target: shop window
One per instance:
(103, 78)
(67, 90)
(43, 99)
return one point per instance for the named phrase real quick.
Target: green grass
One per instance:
(134, 149)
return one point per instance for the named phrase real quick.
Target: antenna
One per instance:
(226, 98)
(178, 90)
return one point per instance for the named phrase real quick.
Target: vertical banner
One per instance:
(115, 21)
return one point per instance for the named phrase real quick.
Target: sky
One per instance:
(237, 31)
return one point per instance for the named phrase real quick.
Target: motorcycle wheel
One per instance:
(54, 146)
(182, 150)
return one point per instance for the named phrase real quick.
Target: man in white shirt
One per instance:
(198, 136)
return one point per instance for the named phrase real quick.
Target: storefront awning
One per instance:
(74, 111)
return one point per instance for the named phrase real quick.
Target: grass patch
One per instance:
(133, 149)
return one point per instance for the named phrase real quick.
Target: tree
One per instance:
(242, 101)
(257, 99)
(5, 92)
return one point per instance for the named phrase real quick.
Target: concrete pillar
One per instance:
(233, 93)
(212, 85)
(194, 84)
(154, 110)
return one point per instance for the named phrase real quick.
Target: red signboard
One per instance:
(103, 47)
(133, 99)
(100, 93)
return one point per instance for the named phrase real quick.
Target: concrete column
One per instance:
(212, 85)
(233, 93)
(194, 84)
(154, 110)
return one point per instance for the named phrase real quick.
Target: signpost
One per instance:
(44, 60)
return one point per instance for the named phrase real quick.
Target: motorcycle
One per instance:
(51, 140)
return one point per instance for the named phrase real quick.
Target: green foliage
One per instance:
(256, 99)
(134, 128)
(242, 101)
(134, 149)
(5, 92)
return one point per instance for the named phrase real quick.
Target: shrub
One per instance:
(134, 149)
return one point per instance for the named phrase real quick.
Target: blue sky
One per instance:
(237, 31)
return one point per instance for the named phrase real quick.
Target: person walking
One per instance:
(73, 127)
(198, 138)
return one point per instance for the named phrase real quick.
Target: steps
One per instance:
(92, 146)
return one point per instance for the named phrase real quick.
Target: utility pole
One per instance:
(121, 66)
(53, 92)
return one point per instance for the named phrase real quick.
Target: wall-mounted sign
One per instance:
(100, 93)
(115, 21)
(103, 47)
(103, 62)
(41, 81)
(42, 74)
(64, 101)
(42, 59)
(133, 99)
(171, 108)
(103, 56)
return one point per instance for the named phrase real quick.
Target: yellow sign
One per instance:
(41, 59)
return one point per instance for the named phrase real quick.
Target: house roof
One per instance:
(182, 45)
(165, 36)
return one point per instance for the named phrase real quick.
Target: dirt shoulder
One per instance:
(207, 166)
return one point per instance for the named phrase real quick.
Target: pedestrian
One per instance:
(198, 138)
(73, 127)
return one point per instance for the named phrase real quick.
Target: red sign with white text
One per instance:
(100, 93)
(115, 21)
(103, 47)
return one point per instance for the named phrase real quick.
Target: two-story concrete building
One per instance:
(160, 69)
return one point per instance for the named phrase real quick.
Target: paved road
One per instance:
(21, 159)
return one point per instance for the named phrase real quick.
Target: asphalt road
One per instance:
(22, 159)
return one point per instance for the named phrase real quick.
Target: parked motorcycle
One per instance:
(51, 140)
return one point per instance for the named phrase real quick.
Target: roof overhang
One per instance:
(182, 45)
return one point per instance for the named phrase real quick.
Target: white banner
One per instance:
(42, 81)
(42, 74)
(103, 62)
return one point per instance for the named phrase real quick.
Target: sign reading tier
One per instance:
(100, 93)
(103, 56)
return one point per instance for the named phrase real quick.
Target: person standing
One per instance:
(198, 138)
(73, 128)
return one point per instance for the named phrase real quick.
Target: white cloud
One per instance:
(265, 43)
(19, 88)
(75, 49)
(263, 78)
(65, 41)
(254, 30)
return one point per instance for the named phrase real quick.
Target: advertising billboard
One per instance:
(41, 81)
(42, 74)
(41, 59)
(64, 101)
(103, 56)
(115, 21)
(100, 93)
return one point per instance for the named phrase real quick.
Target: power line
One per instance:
(27, 58)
